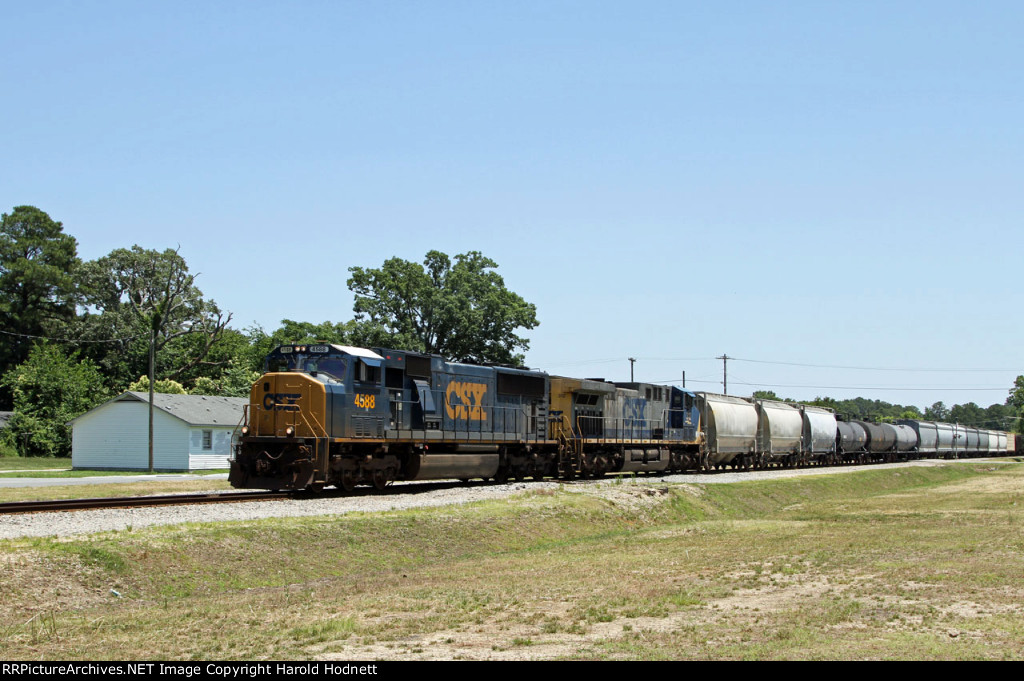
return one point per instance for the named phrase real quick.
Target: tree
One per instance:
(1016, 402)
(49, 389)
(157, 290)
(37, 285)
(164, 386)
(969, 414)
(459, 310)
(937, 412)
(146, 293)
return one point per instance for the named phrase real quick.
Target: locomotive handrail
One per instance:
(513, 420)
(323, 429)
(645, 431)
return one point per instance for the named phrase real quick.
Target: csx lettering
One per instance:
(281, 401)
(366, 401)
(634, 408)
(465, 401)
(633, 411)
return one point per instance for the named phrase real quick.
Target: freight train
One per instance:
(332, 415)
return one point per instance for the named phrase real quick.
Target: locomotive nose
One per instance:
(287, 405)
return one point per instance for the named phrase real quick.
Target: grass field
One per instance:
(20, 463)
(911, 563)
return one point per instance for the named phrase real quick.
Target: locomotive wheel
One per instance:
(348, 480)
(380, 479)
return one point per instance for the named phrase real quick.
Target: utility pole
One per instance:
(632, 361)
(725, 375)
(684, 380)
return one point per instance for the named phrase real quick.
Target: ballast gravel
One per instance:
(399, 496)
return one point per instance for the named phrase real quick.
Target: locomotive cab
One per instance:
(307, 395)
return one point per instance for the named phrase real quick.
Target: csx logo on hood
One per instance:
(281, 401)
(465, 401)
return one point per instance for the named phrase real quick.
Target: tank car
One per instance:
(851, 441)
(906, 442)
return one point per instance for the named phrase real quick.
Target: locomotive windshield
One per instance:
(308, 360)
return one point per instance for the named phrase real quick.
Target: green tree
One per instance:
(158, 290)
(149, 298)
(1016, 398)
(460, 310)
(969, 414)
(164, 386)
(235, 381)
(937, 412)
(1015, 402)
(37, 282)
(49, 389)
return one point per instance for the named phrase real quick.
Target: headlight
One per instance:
(289, 431)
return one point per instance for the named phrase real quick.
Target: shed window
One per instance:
(207, 439)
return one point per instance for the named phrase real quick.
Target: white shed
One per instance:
(190, 432)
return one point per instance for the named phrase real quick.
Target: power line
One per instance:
(763, 384)
(859, 368)
(796, 364)
(72, 340)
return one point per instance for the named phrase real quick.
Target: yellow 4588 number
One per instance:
(366, 401)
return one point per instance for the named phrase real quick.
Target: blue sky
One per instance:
(801, 183)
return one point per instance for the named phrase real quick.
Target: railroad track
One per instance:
(129, 502)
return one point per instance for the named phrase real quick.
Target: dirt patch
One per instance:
(494, 640)
(987, 484)
(630, 497)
